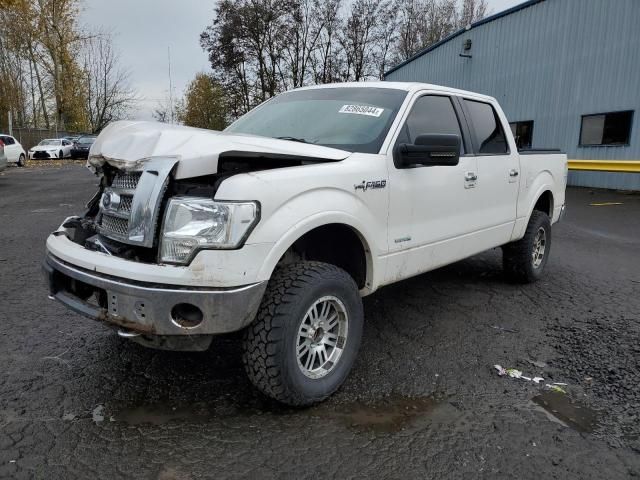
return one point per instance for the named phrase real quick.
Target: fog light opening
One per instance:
(186, 315)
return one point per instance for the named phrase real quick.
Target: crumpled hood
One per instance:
(128, 144)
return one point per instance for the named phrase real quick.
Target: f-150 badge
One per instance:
(364, 186)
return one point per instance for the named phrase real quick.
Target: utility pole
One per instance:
(10, 124)
(170, 86)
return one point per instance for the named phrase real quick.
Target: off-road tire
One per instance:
(21, 160)
(517, 258)
(269, 344)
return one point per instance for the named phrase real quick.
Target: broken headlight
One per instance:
(192, 224)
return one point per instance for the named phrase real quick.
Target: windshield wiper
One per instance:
(293, 139)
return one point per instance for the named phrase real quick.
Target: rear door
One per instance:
(498, 171)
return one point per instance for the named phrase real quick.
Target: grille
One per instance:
(115, 219)
(119, 221)
(126, 181)
(125, 203)
(115, 225)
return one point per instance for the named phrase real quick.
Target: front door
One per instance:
(432, 209)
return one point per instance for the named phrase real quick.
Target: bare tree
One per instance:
(108, 93)
(358, 39)
(326, 59)
(387, 36)
(472, 11)
(301, 40)
(258, 48)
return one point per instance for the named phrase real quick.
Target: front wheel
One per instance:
(305, 338)
(60, 154)
(21, 160)
(524, 260)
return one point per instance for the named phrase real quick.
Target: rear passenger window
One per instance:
(430, 114)
(488, 129)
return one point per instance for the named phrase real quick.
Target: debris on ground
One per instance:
(98, 414)
(504, 329)
(514, 373)
(556, 388)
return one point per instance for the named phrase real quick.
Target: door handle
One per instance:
(513, 172)
(470, 177)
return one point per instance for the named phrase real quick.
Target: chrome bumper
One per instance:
(146, 309)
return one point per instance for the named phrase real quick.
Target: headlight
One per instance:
(192, 223)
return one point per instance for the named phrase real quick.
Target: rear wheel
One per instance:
(305, 338)
(21, 160)
(524, 260)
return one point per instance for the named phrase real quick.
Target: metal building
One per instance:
(567, 74)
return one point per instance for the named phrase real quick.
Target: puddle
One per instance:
(387, 415)
(560, 408)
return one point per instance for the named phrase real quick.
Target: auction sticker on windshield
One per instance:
(362, 110)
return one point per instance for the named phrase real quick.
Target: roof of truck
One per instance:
(407, 86)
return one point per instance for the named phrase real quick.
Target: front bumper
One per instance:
(79, 153)
(140, 308)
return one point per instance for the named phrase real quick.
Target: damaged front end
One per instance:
(123, 217)
(155, 309)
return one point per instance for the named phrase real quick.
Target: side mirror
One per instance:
(435, 149)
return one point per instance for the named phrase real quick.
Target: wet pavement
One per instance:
(423, 400)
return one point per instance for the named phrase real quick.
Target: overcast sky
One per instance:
(145, 29)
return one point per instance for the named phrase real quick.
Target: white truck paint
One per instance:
(407, 220)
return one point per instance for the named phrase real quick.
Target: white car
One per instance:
(51, 148)
(281, 223)
(13, 150)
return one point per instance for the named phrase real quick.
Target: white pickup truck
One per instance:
(281, 223)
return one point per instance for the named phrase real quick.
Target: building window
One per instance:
(606, 128)
(523, 133)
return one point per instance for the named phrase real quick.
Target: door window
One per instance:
(488, 129)
(431, 114)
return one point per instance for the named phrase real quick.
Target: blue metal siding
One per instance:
(551, 62)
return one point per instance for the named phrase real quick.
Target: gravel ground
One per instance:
(422, 401)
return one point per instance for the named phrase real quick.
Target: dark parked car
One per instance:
(81, 146)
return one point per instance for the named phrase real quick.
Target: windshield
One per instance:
(86, 140)
(353, 119)
(49, 142)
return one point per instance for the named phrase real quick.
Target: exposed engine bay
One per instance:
(92, 230)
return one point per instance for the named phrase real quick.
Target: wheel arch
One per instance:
(544, 203)
(316, 240)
